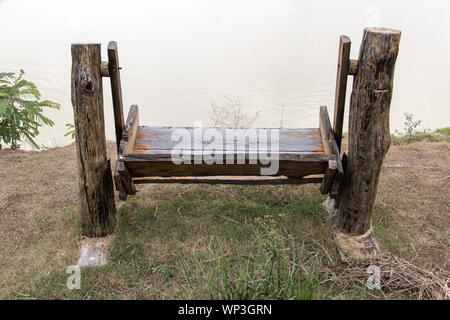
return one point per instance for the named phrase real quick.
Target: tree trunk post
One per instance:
(94, 173)
(369, 136)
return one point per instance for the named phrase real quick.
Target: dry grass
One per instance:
(414, 183)
(399, 278)
(169, 234)
(40, 226)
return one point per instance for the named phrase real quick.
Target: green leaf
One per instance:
(3, 106)
(49, 104)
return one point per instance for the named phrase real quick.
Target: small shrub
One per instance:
(21, 110)
(410, 133)
(231, 114)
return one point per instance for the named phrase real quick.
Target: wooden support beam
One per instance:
(145, 166)
(96, 192)
(353, 68)
(104, 69)
(328, 177)
(123, 180)
(122, 177)
(235, 180)
(334, 168)
(369, 136)
(130, 131)
(341, 87)
(336, 185)
(116, 90)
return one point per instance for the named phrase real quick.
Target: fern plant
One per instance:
(21, 110)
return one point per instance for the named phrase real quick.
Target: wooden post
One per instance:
(341, 87)
(369, 137)
(94, 173)
(116, 90)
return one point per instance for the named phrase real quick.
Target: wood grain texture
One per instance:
(104, 69)
(130, 131)
(96, 192)
(353, 68)
(337, 184)
(235, 180)
(118, 183)
(334, 169)
(328, 176)
(125, 180)
(325, 130)
(116, 90)
(149, 139)
(300, 152)
(341, 87)
(166, 168)
(369, 136)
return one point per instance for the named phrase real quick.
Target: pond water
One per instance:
(275, 57)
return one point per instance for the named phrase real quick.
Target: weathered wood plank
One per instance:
(369, 136)
(235, 180)
(294, 169)
(341, 87)
(353, 68)
(325, 130)
(337, 183)
(290, 140)
(330, 147)
(118, 183)
(96, 192)
(166, 155)
(104, 69)
(328, 177)
(146, 160)
(126, 179)
(116, 90)
(130, 131)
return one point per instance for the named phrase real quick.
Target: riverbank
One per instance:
(196, 241)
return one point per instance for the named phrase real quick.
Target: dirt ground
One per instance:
(40, 228)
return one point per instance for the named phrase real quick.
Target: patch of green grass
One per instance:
(419, 136)
(438, 135)
(256, 243)
(411, 133)
(391, 234)
(445, 131)
(183, 246)
(270, 269)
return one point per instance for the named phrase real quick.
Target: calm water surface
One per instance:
(178, 55)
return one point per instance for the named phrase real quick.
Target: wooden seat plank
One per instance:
(303, 155)
(290, 140)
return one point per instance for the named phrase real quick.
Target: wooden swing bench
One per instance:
(303, 155)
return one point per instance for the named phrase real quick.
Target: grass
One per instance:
(216, 242)
(444, 131)
(442, 134)
(189, 248)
